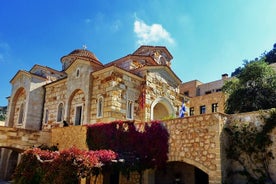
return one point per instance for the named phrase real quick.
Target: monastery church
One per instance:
(140, 86)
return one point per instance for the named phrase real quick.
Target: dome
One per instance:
(82, 54)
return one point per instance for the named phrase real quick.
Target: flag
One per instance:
(182, 111)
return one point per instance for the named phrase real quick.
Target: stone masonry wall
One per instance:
(35, 105)
(196, 141)
(116, 87)
(55, 94)
(22, 139)
(67, 137)
(256, 118)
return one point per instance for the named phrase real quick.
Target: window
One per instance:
(192, 111)
(46, 116)
(100, 107)
(214, 107)
(202, 109)
(60, 112)
(78, 115)
(208, 92)
(21, 114)
(129, 109)
(186, 93)
(78, 72)
(218, 90)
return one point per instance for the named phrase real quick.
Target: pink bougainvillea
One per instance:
(139, 150)
(39, 166)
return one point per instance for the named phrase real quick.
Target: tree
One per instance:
(270, 57)
(239, 69)
(253, 89)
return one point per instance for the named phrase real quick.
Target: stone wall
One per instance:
(255, 118)
(35, 105)
(55, 94)
(22, 139)
(116, 87)
(67, 137)
(196, 140)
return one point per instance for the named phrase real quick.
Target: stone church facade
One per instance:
(140, 86)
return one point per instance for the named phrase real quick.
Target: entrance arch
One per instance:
(180, 173)
(18, 104)
(161, 108)
(76, 107)
(12, 163)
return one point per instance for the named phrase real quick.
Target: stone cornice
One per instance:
(114, 68)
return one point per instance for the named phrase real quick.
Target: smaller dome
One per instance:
(82, 54)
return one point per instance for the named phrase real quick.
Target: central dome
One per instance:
(82, 54)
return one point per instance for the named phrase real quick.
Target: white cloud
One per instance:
(151, 33)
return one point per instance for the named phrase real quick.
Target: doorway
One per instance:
(78, 115)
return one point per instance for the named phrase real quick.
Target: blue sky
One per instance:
(206, 38)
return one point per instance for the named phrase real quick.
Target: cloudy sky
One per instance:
(206, 38)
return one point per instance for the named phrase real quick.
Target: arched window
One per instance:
(100, 107)
(78, 73)
(46, 116)
(129, 110)
(60, 112)
(21, 114)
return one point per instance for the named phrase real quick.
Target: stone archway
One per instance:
(180, 173)
(9, 158)
(161, 108)
(76, 108)
(17, 103)
(11, 165)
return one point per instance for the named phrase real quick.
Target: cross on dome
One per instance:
(84, 47)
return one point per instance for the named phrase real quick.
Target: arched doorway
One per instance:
(11, 164)
(180, 173)
(161, 108)
(76, 107)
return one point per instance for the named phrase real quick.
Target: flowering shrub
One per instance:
(139, 150)
(67, 166)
